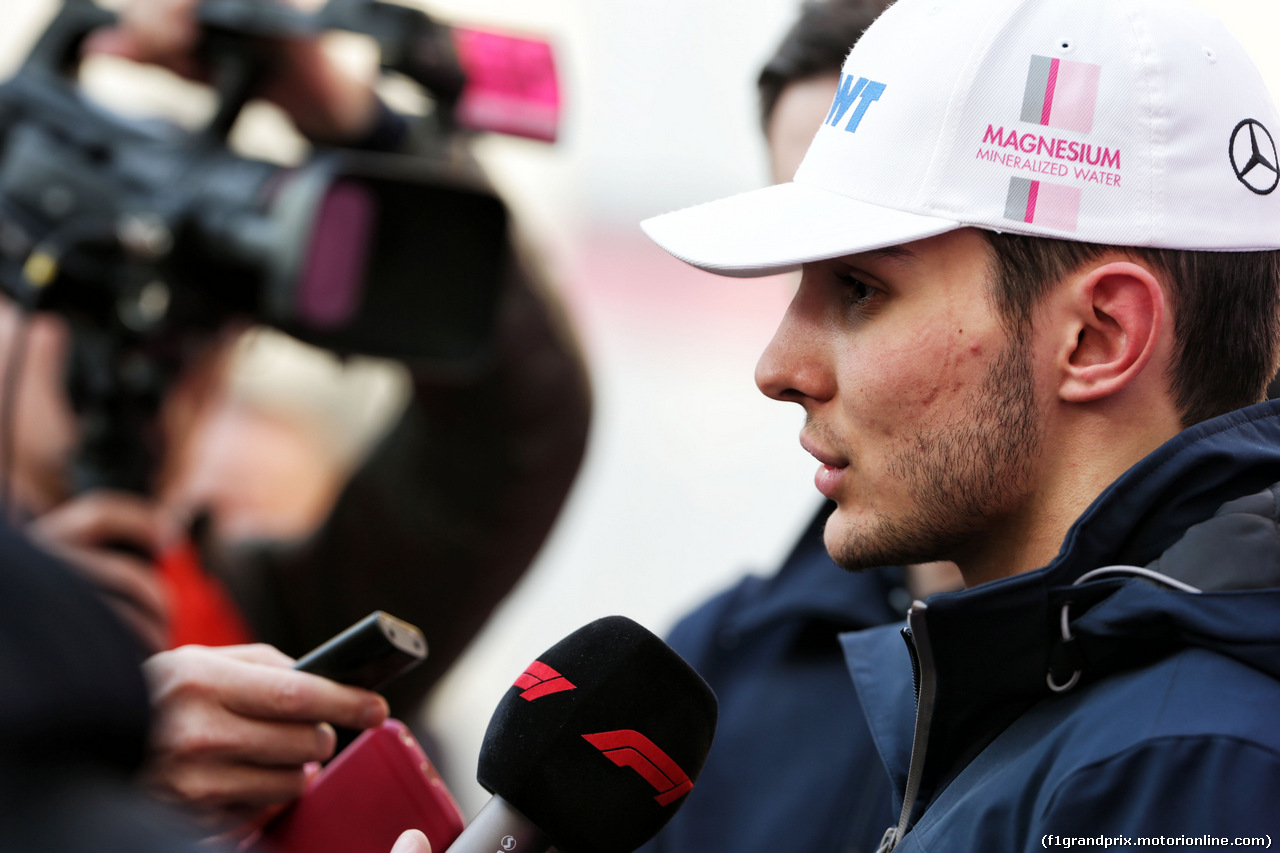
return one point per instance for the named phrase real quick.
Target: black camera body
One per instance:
(147, 236)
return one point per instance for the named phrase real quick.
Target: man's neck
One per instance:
(924, 579)
(1074, 470)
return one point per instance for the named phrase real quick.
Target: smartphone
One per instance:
(368, 654)
(381, 785)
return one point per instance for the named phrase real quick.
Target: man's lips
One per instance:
(830, 473)
(829, 459)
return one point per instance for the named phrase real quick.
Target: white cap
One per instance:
(1125, 122)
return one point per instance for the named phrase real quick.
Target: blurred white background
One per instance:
(692, 477)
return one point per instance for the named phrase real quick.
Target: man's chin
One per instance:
(858, 545)
(847, 546)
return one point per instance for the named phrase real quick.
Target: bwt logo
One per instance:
(541, 680)
(627, 748)
(864, 91)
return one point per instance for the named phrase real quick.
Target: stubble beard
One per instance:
(961, 475)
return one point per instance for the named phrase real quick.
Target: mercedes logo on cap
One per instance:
(1253, 156)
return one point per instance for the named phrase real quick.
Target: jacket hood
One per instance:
(1201, 509)
(1233, 558)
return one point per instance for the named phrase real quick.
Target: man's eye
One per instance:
(858, 291)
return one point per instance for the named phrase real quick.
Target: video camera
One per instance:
(146, 236)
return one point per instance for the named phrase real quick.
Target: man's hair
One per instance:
(817, 43)
(1225, 306)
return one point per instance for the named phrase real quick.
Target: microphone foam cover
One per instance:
(601, 738)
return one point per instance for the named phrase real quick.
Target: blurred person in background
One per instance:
(435, 524)
(75, 717)
(793, 766)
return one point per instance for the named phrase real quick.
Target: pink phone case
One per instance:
(379, 786)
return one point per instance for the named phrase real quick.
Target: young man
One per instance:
(769, 646)
(1040, 296)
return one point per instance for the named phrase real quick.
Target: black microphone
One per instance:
(594, 747)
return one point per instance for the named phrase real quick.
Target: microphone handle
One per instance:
(500, 828)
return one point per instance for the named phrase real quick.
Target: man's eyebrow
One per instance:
(890, 253)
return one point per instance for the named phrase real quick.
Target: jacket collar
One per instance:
(994, 644)
(1181, 483)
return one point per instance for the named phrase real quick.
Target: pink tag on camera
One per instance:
(511, 84)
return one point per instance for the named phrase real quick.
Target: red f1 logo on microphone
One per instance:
(627, 748)
(541, 680)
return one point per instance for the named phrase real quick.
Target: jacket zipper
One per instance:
(916, 635)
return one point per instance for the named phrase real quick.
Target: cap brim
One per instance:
(778, 228)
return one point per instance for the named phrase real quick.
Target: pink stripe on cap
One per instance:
(1047, 110)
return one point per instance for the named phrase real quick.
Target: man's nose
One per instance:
(794, 367)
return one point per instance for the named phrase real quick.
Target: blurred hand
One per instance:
(412, 841)
(326, 102)
(107, 537)
(40, 419)
(237, 732)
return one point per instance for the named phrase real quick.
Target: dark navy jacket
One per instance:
(1168, 723)
(792, 767)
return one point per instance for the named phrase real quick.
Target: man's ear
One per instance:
(1117, 312)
